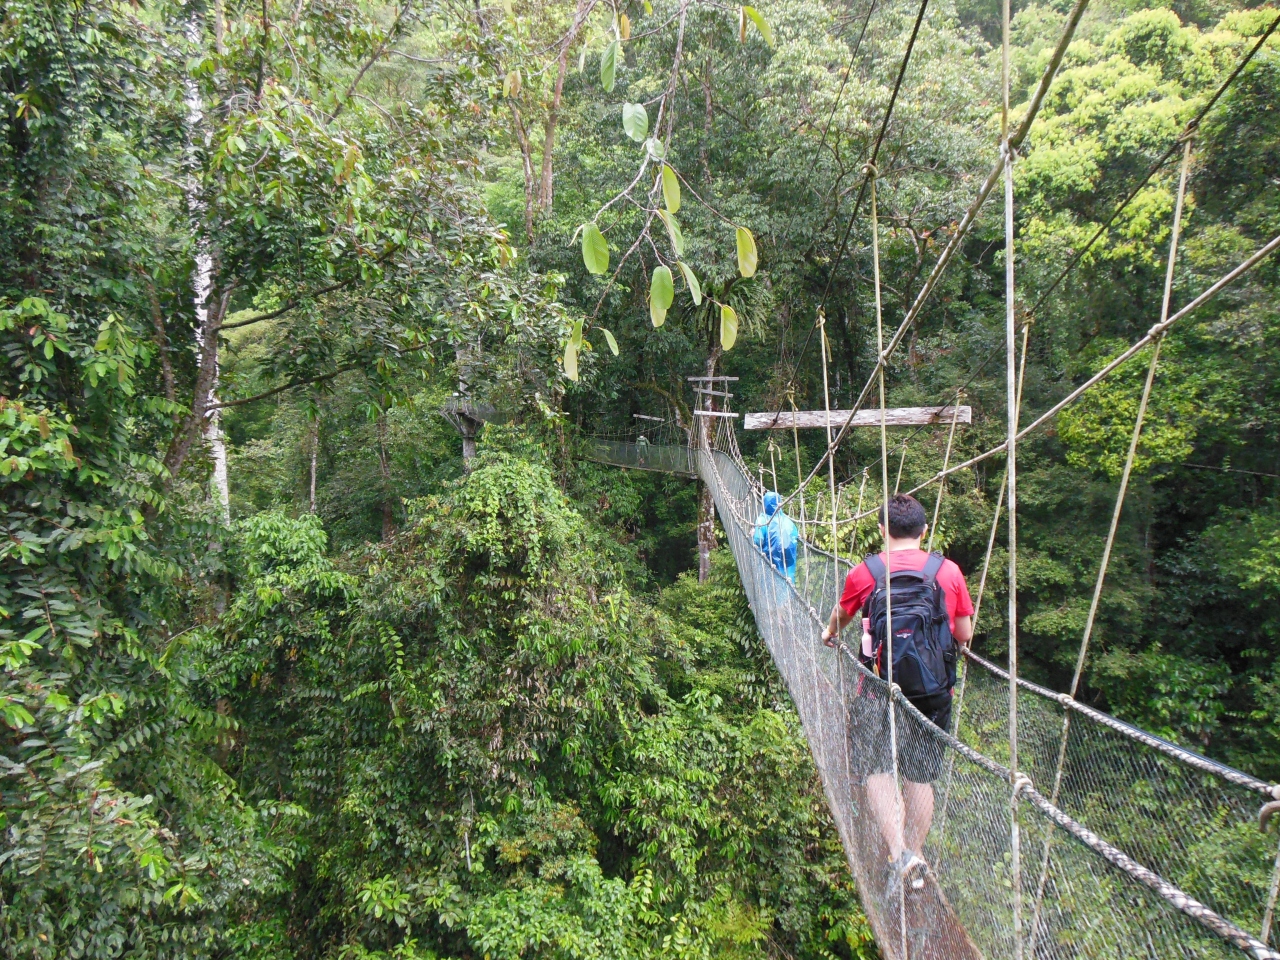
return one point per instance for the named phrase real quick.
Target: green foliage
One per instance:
(489, 733)
(635, 121)
(595, 249)
(661, 292)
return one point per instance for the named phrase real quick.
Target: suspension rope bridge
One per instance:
(1142, 848)
(1138, 847)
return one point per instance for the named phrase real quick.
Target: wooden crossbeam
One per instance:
(712, 379)
(713, 413)
(894, 417)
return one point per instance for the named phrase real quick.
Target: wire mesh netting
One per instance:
(1195, 875)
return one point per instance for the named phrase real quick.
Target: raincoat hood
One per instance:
(771, 502)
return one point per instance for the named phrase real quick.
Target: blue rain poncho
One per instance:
(776, 536)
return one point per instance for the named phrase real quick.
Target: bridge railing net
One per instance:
(1192, 826)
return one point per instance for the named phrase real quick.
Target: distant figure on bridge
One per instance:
(642, 449)
(932, 617)
(776, 536)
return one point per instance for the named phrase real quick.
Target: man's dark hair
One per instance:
(906, 516)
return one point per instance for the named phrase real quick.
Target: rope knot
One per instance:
(1022, 782)
(870, 171)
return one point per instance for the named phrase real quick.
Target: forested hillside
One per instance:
(320, 637)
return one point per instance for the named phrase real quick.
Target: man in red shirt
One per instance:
(920, 757)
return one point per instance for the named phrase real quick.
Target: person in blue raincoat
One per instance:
(776, 536)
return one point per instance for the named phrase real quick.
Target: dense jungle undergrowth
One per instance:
(319, 639)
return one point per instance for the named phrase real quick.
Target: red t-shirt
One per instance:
(859, 584)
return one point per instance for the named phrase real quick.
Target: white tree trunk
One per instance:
(202, 284)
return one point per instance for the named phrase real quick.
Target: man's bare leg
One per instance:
(918, 799)
(886, 806)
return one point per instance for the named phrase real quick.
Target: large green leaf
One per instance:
(662, 290)
(670, 189)
(746, 253)
(595, 249)
(728, 326)
(571, 351)
(609, 66)
(635, 121)
(673, 231)
(695, 288)
(761, 24)
(608, 337)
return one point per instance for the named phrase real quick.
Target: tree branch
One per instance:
(319, 378)
(377, 55)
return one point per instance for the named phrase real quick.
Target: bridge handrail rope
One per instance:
(1188, 757)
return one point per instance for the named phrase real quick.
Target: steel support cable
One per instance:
(862, 189)
(982, 583)
(1191, 126)
(1155, 332)
(965, 225)
(1011, 481)
(1208, 918)
(1189, 129)
(826, 400)
(1173, 148)
(1172, 259)
(1155, 168)
(871, 175)
(844, 82)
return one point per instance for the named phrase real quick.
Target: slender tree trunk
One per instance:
(545, 190)
(206, 417)
(708, 121)
(526, 157)
(465, 418)
(315, 454)
(162, 343)
(384, 464)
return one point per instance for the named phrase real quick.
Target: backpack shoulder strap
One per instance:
(931, 567)
(875, 566)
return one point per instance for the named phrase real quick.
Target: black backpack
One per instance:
(924, 652)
